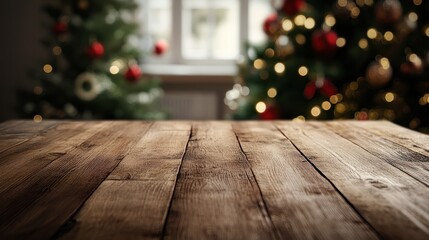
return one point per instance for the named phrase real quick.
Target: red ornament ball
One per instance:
(324, 42)
(133, 73)
(270, 113)
(60, 28)
(292, 7)
(271, 24)
(95, 50)
(160, 47)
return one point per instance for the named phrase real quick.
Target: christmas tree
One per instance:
(93, 67)
(360, 59)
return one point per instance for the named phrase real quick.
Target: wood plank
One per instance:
(412, 163)
(21, 162)
(302, 204)
(413, 140)
(216, 195)
(134, 202)
(394, 203)
(13, 133)
(46, 200)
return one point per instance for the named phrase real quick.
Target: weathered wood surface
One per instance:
(213, 180)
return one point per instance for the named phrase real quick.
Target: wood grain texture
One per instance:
(13, 133)
(394, 203)
(216, 195)
(301, 203)
(48, 198)
(21, 162)
(413, 163)
(134, 202)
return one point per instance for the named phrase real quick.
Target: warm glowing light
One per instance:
(259, 64)
(341, 42)
(342, 3)
(37, 118)
(363, 43)
(287, 25)
(272, 92)
(355, 12)
(389, 97)
(260, 107)
(114, 70)
(340, 108)
(417, 2)
(369, 2)
(300, 118)
(279, 68)
(47, 68)
(385, 63)
(309, 23)
(412, 16)
(57, 50)
(299, 20)
(326, 105)
(303, 71)
(269, 52)
(300, 39)
(353, 86)
(371, 33)
(315, 111)
(427, 31)
(330, 20)
(388, 36)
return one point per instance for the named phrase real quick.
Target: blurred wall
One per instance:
(20, 49)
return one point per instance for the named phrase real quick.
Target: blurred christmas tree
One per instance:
(360, 59)
(93, 69)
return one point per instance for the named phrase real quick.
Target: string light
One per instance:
(37, 118)
(326, 105)
(47, 68)
(309, 23)
(315, 111)
(57, 50)
(340, 108)
(269, 52)
(412, 16)
(258, 64)
(341, 42)
(389, 97)
(279, 68)
(355, 12)
(417, 2)
(303, 71)
(260, 107)
(353, 86)
(299, 20)
(287, 25)
(342, 3)
(371, 33)
(388, 36)
(427, 31)
(300, 118)
(330, 20)
(272, 92)
(114, 70)
(384, 62)
(363, 43)
(300, 39)
(369, 2)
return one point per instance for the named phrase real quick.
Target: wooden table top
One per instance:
(213, 180)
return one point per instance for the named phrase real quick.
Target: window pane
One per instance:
(210, 29)
(156, 21)
(258, 11)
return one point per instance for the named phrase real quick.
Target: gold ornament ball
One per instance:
(378, 75)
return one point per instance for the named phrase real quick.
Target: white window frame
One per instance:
(173, 63)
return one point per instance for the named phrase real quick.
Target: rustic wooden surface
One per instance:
(213, 180)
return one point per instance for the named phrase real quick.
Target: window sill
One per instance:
(190, 70)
